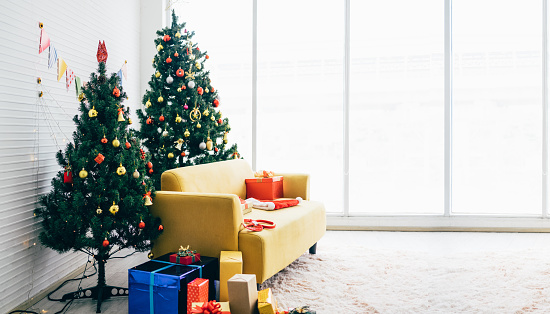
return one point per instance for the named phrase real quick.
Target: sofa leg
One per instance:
(258, 287)
(313, 249)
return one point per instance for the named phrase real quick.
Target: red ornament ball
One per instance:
(151, 171)
(105, 243)
(168, 60)
(128, 145)
(207, 57)
(149, 165)
(216, 103)
(166, 37)
(116, 92)
(216, 149)
(180, 73)
(212, 89)
(141, 225)
(200, 90)
(104, 140)
(161, 118)
(176, 54)
(161, 228)
(220, 121)
(182, 153)
(149, 120)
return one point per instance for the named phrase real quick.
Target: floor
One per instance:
(437, 243)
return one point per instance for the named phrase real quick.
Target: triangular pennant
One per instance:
(78, 85)
(61, 68)
(69, 78)
(44, 41)
(125, 71)
(119, 73)
(52, 57)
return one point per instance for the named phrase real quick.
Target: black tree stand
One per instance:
(101, 291)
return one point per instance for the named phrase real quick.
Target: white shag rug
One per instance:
(356, 279)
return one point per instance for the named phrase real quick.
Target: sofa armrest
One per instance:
(207, 222)
(295, 184)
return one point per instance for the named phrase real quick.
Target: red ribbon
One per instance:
(148, 194)
(207, 308)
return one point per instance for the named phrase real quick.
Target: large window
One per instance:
(396, 107)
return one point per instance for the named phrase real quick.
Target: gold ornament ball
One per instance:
(160, 99)
(116, 142)
(83, 173)
(98, 211)
(157, 75)
(135, 174)
(121, 170)
(170, 155)
(179, 89)
(186, 133)
(178, 35)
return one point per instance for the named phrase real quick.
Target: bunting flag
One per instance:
(125, 70)
(61, 68)
(52, 56)
(78, 85)
(119, 73)
(69, 77)
(44, 41)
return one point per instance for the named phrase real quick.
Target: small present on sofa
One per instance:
(185, 256)
(265, 186)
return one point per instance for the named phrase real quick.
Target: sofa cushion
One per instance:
(267, 252)
(218, 177)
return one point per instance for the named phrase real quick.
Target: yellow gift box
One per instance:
(266, 302)
(231, 263)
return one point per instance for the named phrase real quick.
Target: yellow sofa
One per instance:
(199, 206)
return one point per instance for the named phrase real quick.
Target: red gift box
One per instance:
(184, 260)
(264, 188)
(197, 291)
(68, 177)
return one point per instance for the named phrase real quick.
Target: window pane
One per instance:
(497, 107)
(396, 107)
(300, 73)
(224, 30)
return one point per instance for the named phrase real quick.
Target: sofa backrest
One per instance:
(217, 177)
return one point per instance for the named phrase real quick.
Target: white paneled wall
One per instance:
(33, 129)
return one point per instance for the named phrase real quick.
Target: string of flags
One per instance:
(64, 69)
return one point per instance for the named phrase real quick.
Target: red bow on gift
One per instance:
(207, 308)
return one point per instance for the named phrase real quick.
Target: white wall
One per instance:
(29, 124)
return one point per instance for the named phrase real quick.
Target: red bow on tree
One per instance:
(207, 308)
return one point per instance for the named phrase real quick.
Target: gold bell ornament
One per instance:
(198, 125)
(129, 121)
(197, 65)
(114, 208)
(147, 197)
(148, 103)
(212, 118)
(205, 112)
(120, 115)
(151, 255)
(179, 143)
(225, 137)
(83, 173)
(121, 170)
(92, 113)
(186, 133)
(98, 210)
(157, 74)
(116, 142)
(209, 144)
(178, 35)
(159, 47)
(178, 118)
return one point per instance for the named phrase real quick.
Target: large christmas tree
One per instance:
(98, 202)
(182, 125)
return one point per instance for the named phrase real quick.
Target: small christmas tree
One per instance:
(98, 203)
(181, 125)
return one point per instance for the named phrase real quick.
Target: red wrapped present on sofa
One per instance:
(185, 256)
(265, 186)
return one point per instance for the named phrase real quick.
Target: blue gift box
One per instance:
(160, 287)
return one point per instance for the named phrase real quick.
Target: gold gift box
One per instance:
(266, 302)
